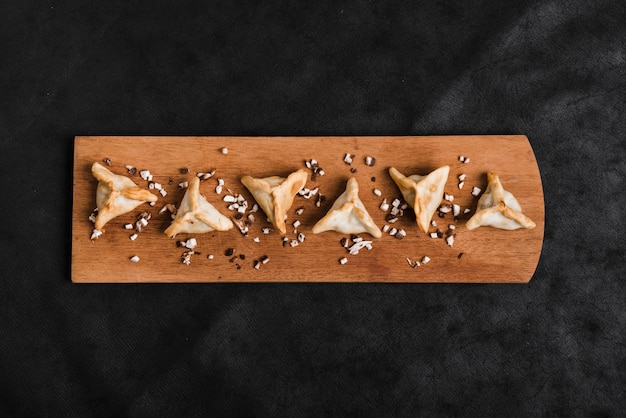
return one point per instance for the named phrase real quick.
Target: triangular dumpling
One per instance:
(275, 194)
(116, 195)
(498, 208)
(197, 216)
(423, 193)
(348, 215)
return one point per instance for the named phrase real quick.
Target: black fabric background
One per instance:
(552, 70)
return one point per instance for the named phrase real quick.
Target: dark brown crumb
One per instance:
(170, 180)
(232, 259)
(229, 252)
(147, 215)
(391, 218)
(460, 255)
(107, 161)
(184, 170)
(439, 233)
(242, 256)
(132, 171)
(373, 179)
(353, 170)
(441, 215)
(238, 216)
(238, 266)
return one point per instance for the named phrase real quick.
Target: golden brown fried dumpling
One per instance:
(423, 193)
(348, 215)
(197, 216)
(498, 208)
(275, 194)
(116, 195)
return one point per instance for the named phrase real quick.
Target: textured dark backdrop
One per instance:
(552, 70)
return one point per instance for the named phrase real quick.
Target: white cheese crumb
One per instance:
(134, 259)
(224, 150)
(133, 237)
(425, 259)
(357, 246)
(476, 191)
(343, 260)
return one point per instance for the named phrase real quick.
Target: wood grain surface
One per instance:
(488, 255)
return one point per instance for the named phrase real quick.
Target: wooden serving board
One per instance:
(485, 255)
